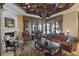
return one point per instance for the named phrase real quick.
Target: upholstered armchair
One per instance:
(26, 37)
(70, 44)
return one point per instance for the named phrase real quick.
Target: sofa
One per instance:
(67, 43)
(70, 44)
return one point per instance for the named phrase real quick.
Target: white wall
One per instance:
(9, 15)
(4, 29)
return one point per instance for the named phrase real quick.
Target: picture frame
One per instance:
(9, 22)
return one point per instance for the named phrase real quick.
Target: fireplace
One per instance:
(11, 34)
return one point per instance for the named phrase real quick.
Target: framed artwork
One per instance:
(9, 22)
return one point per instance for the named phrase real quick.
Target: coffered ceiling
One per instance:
(44, 9)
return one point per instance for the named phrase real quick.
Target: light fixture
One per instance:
(29, 6)
(60, 6)
(35, 6)
(24, 7)
(68, 30)
(31, 9)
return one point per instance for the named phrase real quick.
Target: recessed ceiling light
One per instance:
(31, 9)
(44, 6)
(24, 7)
(29, 6)
(60, 6)
(35, 6)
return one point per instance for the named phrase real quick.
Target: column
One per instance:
(1, 4)
(0, 31)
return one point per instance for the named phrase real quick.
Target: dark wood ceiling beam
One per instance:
(49, 8)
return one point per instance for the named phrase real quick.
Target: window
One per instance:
(39, 27)
(57, 27)
(48, 28)
(34, 25)
(44, 29)
(53, 27)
